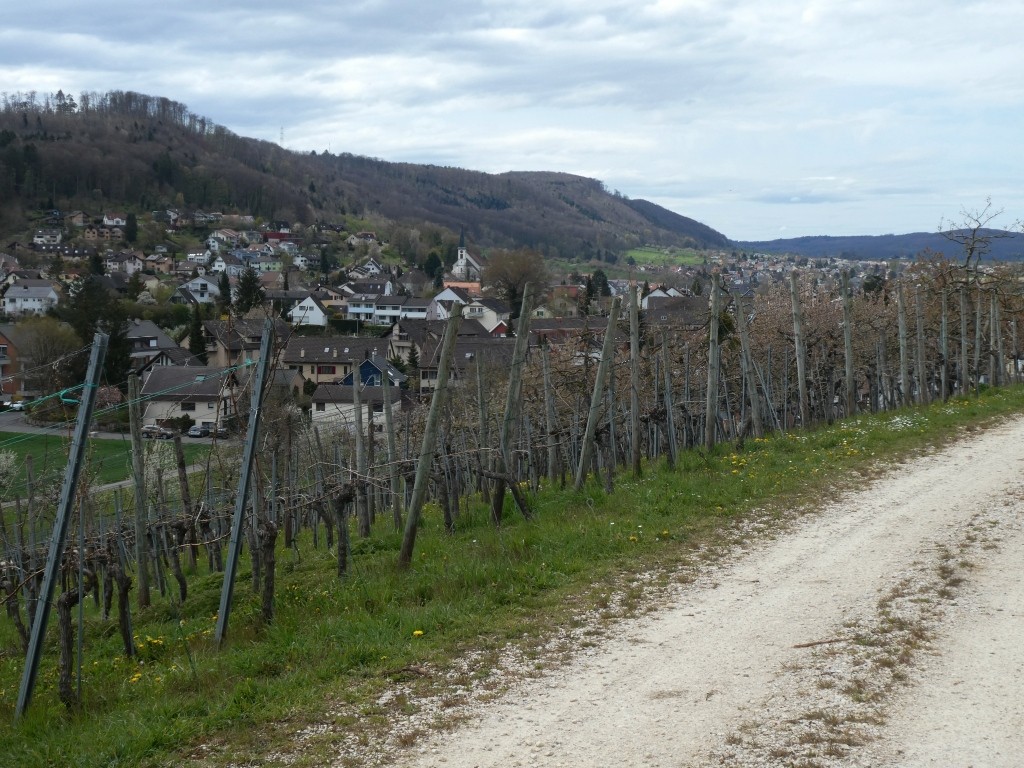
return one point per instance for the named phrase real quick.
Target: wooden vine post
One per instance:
(923, 390)
(634, 379)
(244, 480)
(964, 380)
(139, 478)
(749, 372)
(901, 323)
(513, 401)
(800, 345)
(851, 395)
(600, 382)
(419, 490)
(714, 364)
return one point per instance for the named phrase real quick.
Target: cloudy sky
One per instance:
(761, 118)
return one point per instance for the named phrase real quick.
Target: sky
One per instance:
(762, 119)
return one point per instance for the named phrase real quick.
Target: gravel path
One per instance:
(881, 630)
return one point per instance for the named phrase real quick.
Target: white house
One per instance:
(199, 257)
(205, 393)
(201, 290)
(227, 262)
(24, 298)
(309, 311)
(440, 307)
(47, 237)
(361, 306)
(660, 293)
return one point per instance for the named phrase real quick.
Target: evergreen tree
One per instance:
(224, 287)
(131, 228)
(135, 286)
(196, 337)
(93, 308)
(250, 291)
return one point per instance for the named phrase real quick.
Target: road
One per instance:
(881, 630)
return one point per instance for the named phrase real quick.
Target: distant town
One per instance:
(191, 289)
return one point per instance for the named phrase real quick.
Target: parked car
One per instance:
(18, 406)
(160, 433)
(198, 430)
(220, 431)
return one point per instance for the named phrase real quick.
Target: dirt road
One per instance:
(881, 630)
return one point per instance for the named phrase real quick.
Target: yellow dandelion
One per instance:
(417, 633)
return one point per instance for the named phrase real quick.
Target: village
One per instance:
(368, 310)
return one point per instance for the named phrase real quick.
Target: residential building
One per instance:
(309, 311)
(328, 359)
(30, 297)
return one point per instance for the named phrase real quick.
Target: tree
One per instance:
(93, 308)
(196, 337)
(508, 272)
(250, 292)
(135, 285)
(131, 228)
(224, 288)
(43, 341)
(433, 265)
(973, 233)
(600, 282)
(96, 265)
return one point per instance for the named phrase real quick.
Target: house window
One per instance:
(188, 406)
(321, 406)
(3, 350)
(209, 406)
(325, 369)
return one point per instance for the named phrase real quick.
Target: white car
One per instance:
(18, 406)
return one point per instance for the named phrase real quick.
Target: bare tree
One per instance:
(508, 272)
(44, 341)
(974, 233)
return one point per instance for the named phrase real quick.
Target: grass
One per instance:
(109, 461)
(665, 257)
(337, 646)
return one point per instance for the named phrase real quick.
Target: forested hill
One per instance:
(1004, 246)
(132, 152)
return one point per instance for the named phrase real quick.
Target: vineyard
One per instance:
(304, 514)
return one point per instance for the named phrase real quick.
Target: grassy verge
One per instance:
(336, 646)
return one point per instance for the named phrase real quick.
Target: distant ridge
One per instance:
(1008, 246)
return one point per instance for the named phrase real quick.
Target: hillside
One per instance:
(132, 152)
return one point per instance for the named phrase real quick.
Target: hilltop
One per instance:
(133, 152)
